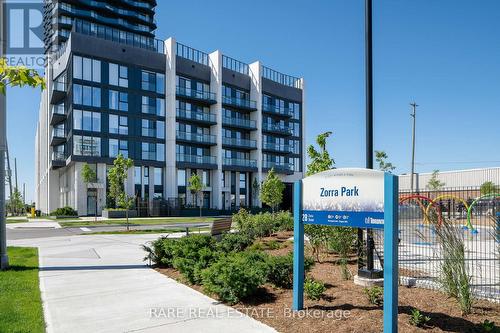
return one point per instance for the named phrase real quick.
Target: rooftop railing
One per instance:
(189, 53)
(281, 78)
(234, 65)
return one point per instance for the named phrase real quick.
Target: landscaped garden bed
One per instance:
(259, 259)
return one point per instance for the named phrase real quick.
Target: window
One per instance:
(206, 178)
(160, 152)
(117, 147)
(86, 95)
(118, 124)
(118, 100)
(86, 69)
(160, 130)
(137, 175)
(146, 176)
(153, 82)
(160, 107)
(148, 105)
(243, 180)
(87, 120)
(148, 151)
(158, 176)
(86, 145)
(181, 177)
(160, 83)
(118, 75)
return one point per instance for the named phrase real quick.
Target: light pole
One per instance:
(414, 116)
(4, 260)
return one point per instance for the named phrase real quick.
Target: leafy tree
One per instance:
(320, 160)
(117, 176)
(18, 76)
(272, 190)
(489, 188)
(434, 183)
(90, 176)
(15, 205)
(126, 202)
(383, 165)
(196, 188)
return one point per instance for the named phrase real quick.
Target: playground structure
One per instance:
(475, 216)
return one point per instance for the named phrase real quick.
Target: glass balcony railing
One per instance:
(58, 109)
(58, 133)
(238, 162)
(239, 102)
(58, 156)
(149, 155)
(245, 143)
(245, 123)
(277, 147)
(195, 137)
(59, 86)
(195, 115)
(196, 94)
(195, 159)
(277, 128)
(277, 110)
(278, 166)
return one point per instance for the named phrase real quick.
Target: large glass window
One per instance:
(87, 120)
(153, 82)
(160, 152)
(118, 124)
(117, 147)
(148, 151)
(181, 177)
(118, 100)
(158, 176)
(205, 178)
(86, 69)
(86, 95)
(86, 145)
(118, 75)
(137, 175)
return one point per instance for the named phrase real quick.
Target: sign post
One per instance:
(358, 198)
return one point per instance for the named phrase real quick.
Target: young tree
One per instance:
(271, 192)
(89, 176)
(320, 160)
(15, 205)
(126, 202)
(381, 158)
(489, 188)
(255, 190)
(196, 188)
(117, 176)
(434, 183)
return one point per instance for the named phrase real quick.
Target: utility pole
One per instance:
(9, 170)
(15, 172)
(4, 260)
(414, 116)
(24, 193)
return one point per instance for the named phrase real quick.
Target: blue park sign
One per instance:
(358, 198)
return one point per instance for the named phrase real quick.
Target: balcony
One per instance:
(279, 167)
(57, 114)
(276, 147)
(277, 128)
(196, 95)
(239, 163)
(58, 136)
(58, 160)
(184, 160)
(239, 123)
(194, 116)
(58, 92)
(205, 139)
(276, 110)
(239, 143)
(240, 103)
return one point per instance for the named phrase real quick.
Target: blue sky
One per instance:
(442, 54)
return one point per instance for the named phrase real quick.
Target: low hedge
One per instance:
(281, 270)
(263, 224)
(64, 211)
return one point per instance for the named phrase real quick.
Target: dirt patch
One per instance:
(345, 308)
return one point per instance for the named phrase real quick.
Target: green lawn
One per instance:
(20, 302)
(146, 231)
(139, 221)
(17, 220)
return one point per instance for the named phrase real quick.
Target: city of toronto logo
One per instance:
(23, 23)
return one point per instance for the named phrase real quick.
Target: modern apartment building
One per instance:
(174, 110)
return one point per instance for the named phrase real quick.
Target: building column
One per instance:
(101, 192)
(256, 95)
(215, 59)
(170, 184)
(151, 188)
(129, 183)
(80, 190)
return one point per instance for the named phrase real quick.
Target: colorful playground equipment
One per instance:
(469, 210)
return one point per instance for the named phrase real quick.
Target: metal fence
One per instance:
(420, 255)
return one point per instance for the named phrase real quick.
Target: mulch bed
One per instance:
(345, 308)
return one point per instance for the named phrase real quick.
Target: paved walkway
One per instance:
(99, 283)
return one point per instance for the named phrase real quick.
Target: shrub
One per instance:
(262, 224)
(314, 289)
(284, 221)
(318, 236)
(234, 242)
(489, 326)
(161, 251)
(341, 241)
(418, 319)
(375, 295)
(64, 211)
(281, 270)
(236, 276)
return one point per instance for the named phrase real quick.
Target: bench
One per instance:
(221, 226)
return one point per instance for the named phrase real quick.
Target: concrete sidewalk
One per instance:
(100, 284)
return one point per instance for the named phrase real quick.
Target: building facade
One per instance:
(113, 88)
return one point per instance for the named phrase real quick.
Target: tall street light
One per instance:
(414, 116)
